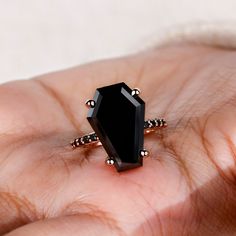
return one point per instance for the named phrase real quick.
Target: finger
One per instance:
(159, 73)
(84, 225)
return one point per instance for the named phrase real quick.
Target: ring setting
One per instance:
(116, 114)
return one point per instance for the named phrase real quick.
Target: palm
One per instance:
(41, 177)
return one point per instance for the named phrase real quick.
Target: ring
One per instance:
(116, 114)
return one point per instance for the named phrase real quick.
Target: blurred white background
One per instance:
(46, 35)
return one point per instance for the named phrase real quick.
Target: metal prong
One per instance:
(144, 153)
(135, 91)
(109, 161)
(90, 103)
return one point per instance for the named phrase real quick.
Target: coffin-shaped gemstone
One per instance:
(118, 120)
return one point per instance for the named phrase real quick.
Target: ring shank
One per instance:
(92, 138)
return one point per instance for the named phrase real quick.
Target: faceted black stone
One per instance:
(87, 139)
(118, 120)
(93, 137)
(146, 125)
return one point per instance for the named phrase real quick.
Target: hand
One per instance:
(186, 187)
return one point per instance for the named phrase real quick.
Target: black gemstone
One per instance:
(153, 122)
(146, 125)
(87, 139)
(118, 120)
(93, 137)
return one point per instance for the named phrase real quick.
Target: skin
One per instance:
(186, 186)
